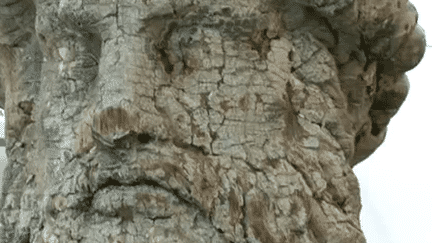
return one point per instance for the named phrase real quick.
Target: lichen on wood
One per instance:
(184, 121)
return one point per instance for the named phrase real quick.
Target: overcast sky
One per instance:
(395, 182)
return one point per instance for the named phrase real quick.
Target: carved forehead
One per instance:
(130, 14)
(103, 21)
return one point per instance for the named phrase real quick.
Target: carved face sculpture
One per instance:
(178, 121)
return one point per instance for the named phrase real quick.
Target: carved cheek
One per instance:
(66, 54)
(84, 140)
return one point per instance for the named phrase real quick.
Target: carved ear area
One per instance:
(390, 96)
(392, 93)
(398, 29)
(400, 43)
(406, 21)
(409, 55)
(366, 142)
(17, 18)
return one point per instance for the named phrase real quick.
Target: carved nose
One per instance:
(112, 124)
(117, 127)
(111, 120)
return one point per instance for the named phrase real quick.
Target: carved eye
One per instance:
(85, 61)
(85, 68)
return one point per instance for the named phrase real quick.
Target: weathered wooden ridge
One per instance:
(196, 121)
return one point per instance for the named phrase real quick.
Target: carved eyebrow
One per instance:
(84, 22)
(86, 60)
(70, 24)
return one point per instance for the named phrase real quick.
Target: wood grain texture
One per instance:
(179, 121)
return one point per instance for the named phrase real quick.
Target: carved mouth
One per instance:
(125, 201)
(119, 187)
(126, 176)
(123, 198)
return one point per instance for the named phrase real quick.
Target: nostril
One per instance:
(42, 38)
(144, 137)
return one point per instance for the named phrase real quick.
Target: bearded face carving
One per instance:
(196, 122)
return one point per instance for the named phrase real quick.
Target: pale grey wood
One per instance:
(186, 121)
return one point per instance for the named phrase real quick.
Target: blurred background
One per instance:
(395, 182)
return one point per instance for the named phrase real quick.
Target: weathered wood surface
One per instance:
(186, 121)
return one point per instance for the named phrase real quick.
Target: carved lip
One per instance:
(130, 189)
(123, 201)
(146, 197)
(111, 173)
